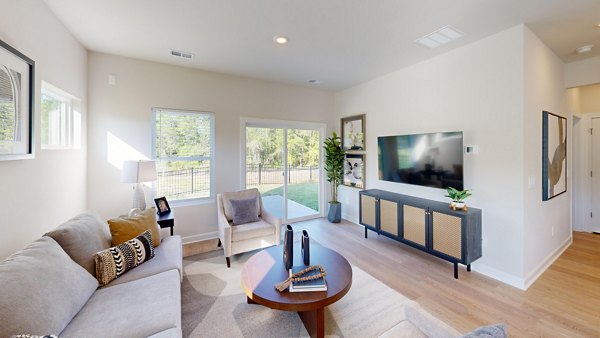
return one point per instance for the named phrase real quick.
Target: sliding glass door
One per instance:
(284, 164)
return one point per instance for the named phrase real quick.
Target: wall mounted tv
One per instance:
(433, 160)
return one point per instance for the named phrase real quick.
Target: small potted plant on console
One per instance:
(458, 198)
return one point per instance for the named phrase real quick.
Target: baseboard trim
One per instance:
(545, 264)
(350, 219)
(200, 237)
(498, 275)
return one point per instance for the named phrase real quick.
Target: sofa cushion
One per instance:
(81, 237)
(126, 228)
(251, 230)
(239, 195)
(244, 210)
(167, 256)
(41, 289)
(114, 262)
(140, 308)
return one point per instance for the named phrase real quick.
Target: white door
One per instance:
(595, 149)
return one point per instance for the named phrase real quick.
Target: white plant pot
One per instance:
(457, 205)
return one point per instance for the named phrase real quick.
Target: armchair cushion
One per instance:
(239, 195)
(251, 230)
(245, 210)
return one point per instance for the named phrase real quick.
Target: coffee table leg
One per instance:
(250, 301)
(314, 322)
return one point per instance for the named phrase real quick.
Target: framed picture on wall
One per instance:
(353, 132)
(554, 155)
(16, 104)
(354, 169)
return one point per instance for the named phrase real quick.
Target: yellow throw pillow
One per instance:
(126, 228)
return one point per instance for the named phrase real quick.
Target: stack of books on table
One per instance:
(319, 284)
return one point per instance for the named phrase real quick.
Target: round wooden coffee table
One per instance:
(265, 269)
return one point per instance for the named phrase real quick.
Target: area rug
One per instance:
(214, 305)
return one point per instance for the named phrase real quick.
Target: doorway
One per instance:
(283, 161)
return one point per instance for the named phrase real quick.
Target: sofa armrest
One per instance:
(224, 227)
(276, 221)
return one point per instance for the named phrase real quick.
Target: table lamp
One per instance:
(138, 172)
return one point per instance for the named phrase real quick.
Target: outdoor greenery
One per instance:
(264, 146)
(334, 163)
(305, 193)
(48, 105)
(183, 150)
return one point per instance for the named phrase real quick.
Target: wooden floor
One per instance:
(563, 302)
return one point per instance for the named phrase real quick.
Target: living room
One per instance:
(493, 89)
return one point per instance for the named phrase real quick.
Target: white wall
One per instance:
(589, 98)
(547, 224)
(477, 89)
(120, 125)
(582, 73)
(37, 195)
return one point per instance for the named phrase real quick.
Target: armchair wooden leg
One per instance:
(228, 262)
(219, 244)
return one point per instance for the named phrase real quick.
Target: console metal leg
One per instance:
(365, 232)
(468, 267)
(456, 270)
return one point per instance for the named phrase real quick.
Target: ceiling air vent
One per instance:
(180, 54)
(440, 37)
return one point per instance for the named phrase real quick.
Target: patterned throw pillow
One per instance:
(114, 262)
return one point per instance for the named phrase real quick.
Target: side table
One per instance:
(166, 220)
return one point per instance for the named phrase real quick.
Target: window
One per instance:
(183, 149)
(61, 119)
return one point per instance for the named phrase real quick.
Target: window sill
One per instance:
(192, 202)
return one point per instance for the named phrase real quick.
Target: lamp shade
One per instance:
(138, 171)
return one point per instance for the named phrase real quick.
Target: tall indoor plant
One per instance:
(334, 167)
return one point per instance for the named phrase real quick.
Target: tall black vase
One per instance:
(288, 247)
(305, 248)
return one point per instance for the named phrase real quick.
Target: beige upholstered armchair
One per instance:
(259, 230)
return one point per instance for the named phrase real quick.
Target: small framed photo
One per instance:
(162, 205)
(354, 168)
(353, 132)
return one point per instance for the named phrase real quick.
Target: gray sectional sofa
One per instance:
(49, 287)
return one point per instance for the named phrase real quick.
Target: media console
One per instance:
(427, 225)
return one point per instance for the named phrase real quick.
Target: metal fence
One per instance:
(195, 182)
(184, 183)
(258, 174)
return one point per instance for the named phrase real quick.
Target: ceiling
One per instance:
(340, 43)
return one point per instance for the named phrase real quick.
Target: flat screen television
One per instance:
(433, 160)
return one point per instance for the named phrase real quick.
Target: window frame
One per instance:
(69, 130)
(211, 157)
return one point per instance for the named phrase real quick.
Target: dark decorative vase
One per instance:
(305, 248)
(288, 247)
(335, 212)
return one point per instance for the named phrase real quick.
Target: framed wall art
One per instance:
(354, 169)
(554, 155)
(353, 132)
(16, 104)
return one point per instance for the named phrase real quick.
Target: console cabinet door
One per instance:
(368, 211)
(388, 217)
(447, 234)
(414, 223)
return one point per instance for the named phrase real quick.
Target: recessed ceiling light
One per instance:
(584, 49)
(440, 37)
(280, 39)
(313, 81)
